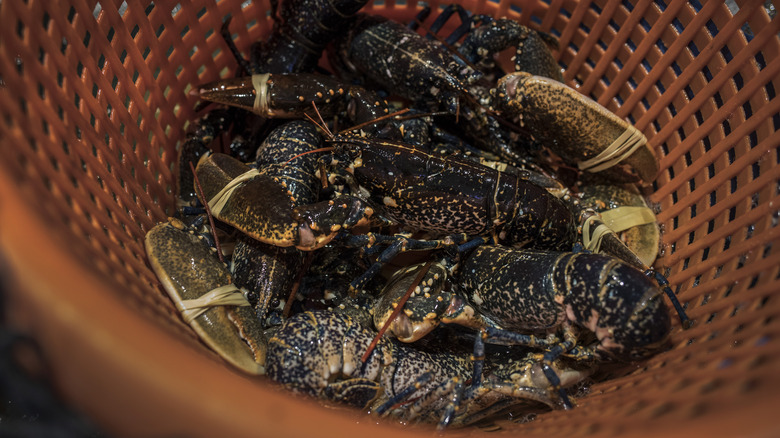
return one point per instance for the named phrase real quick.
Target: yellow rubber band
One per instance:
(260, 82)
(623, 146)
(217, 203)
(228, 295)
(622, 218)
(614, 220)
(591, 240)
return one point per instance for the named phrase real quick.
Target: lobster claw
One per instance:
(234, 191)
(576, 128)
(238, 92)
(322, 221)
(205, 296)
(632, 224)
(278, 95)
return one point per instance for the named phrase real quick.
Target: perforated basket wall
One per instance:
(94, 102)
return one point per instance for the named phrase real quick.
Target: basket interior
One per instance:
(95, 104)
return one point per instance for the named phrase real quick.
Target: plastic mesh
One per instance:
(94, 104)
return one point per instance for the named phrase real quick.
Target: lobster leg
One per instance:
(554, 351)
(446, 14)
(533, 49)
(452, 407)
(402, 395)
(396, 244)
(664, 283)
(243, 64)
(421, 16)
(452, 388)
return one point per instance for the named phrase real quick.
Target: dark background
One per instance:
(29, 405)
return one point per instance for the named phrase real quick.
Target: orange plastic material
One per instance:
(94, 103)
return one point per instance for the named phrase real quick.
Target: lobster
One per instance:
(419, 69)
(410, 187)
(535, 291)
(514, 296)
(319, 354)
(444, 195)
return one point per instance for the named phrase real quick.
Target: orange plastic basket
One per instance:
(94, 102)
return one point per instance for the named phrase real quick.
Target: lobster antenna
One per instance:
(376, 120)
(327, 149)
(317, 124)
(664, 283)
(321, 124)
(396, 311)
(208, 212)
(421, 115)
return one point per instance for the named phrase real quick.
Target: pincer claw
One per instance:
(238, 92)
(576, 128)
(320, 222)
(205, 296)
(284, 95)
